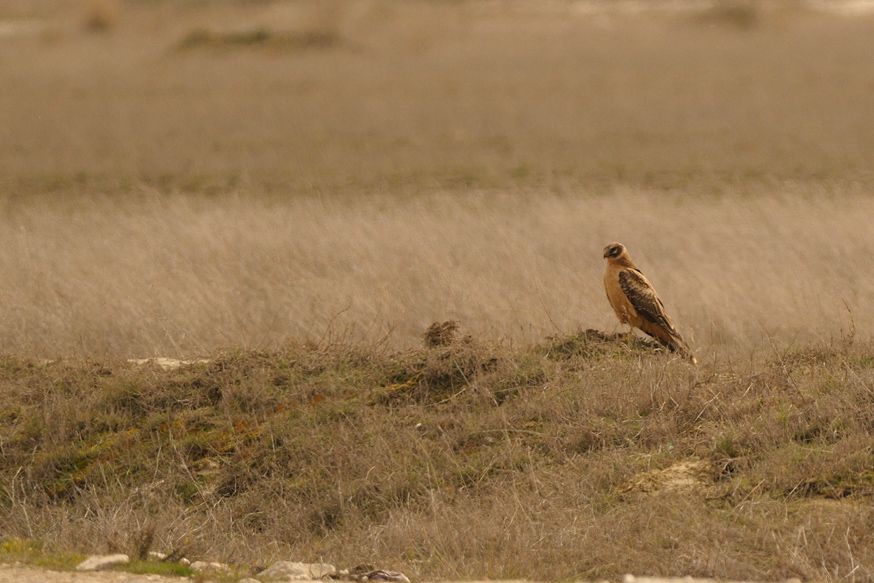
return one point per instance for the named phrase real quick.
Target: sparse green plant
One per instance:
(33, 552)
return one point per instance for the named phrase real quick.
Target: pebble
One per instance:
(98, 562)
(203, 566)
(293, 571)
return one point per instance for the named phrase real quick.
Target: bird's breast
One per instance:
(615, 295)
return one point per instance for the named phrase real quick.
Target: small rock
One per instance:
(165, 363)
(365, 573)
(98, 562)
(156, 556)
(184, 561)
(381, 575)
(203, 567)
(292, 571)
(248, 580)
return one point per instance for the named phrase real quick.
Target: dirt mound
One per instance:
(593, 342)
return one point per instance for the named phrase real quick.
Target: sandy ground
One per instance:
(18, 574)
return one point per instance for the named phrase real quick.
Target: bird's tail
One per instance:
(678, 345)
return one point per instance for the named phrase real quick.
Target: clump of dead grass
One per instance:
(441, 334)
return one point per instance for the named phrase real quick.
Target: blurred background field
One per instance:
(177, 177)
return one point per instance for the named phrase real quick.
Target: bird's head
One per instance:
(614, 250)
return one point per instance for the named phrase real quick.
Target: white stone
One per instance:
(248, 580)
(167, 363)
(184, 561)
(98, 562)
(382, 575)
(156, 556)
(13, 28)
(204, 566)
(293, 571)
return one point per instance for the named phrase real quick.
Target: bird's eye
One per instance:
(615, 251)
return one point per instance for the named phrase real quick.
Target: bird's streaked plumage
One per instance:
(635, 300)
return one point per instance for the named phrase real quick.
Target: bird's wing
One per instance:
(644, 299)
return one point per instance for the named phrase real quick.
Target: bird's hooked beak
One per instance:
(606, 253)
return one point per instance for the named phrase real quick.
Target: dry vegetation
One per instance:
(416, 95)
(154, 275)
(467, 460)
(296, 190)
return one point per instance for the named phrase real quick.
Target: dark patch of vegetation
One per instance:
(594, 342)
(739, 14)
(260, 38)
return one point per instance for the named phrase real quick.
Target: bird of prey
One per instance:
(635, 300)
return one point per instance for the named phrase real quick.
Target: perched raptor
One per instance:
(635, 300)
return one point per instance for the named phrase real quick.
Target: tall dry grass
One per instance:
(177, 275)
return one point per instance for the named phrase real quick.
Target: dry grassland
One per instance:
(574, 458)
(185, 276)
(295, 190)
(437, 161)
